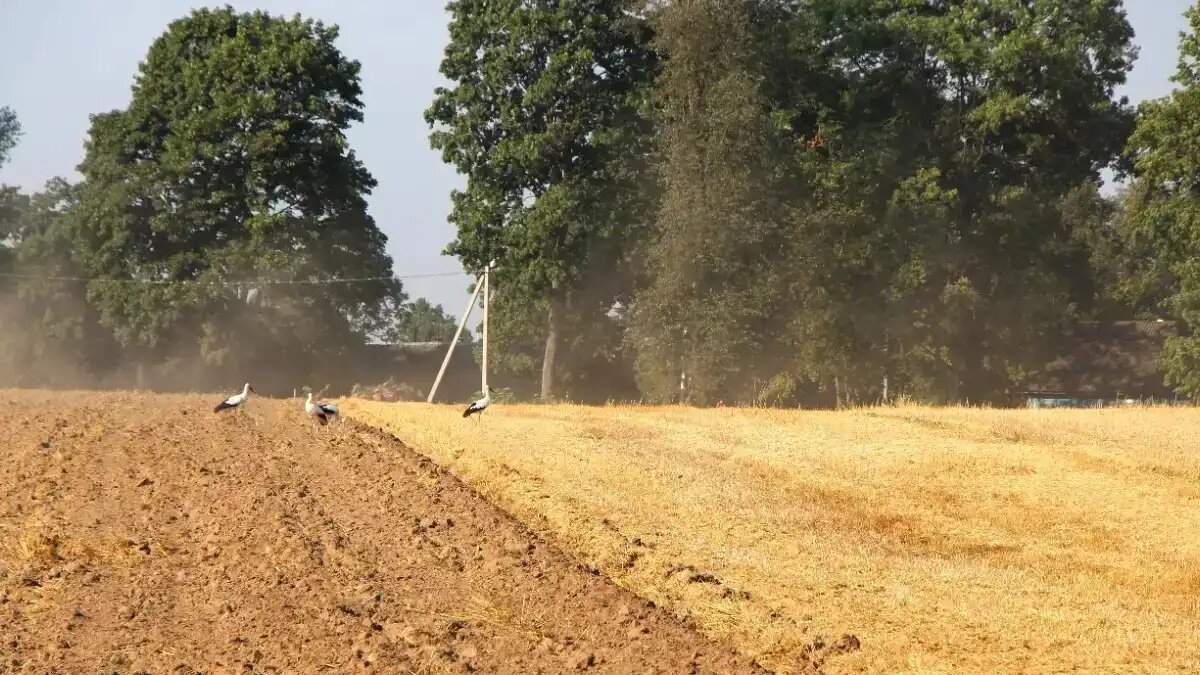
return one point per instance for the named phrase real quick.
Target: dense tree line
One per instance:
(825, 202)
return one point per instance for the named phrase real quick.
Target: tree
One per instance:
(703, 318)
(231, 163)
(1116, 272)
(1165, 201)
(543, 119)
(935, 144)
(422, 322)
(14, 206)
(10, 132)
(12, 202)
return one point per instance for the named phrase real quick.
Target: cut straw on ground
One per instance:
(946, 540)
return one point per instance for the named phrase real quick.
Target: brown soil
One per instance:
(143, 533)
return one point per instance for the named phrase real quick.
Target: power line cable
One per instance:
(239, 282)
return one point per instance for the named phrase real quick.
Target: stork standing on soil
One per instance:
(321, 412)
(479, 406)
(237, 401)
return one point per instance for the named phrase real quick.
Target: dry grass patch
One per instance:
(947, 540)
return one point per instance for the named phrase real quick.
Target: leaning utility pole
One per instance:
(454, 341)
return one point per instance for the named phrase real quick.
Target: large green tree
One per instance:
(543, 118)
(231, 163)
(1164, 204)
(13, 206)
(701, 321)
(936, 146)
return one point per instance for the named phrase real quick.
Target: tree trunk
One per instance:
(552, 330)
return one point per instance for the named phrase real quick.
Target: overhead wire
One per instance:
(238, 282)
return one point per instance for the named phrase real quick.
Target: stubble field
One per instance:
(942, 540)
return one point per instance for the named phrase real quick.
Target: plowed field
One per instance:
(143, 533)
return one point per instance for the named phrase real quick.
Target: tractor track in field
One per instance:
(143, 533)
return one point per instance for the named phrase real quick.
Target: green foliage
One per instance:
(755, 200)
(423, 322)
(231, 162)
(1125, 278)
(936, 146)
(13, 204)
(854, 189)
(704, 312)
(843, 191)
(1164, 206)
(10, 133)
(542, 116)
(780, 390)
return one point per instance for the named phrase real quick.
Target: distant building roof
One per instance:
(415, 347)
(1106, 360)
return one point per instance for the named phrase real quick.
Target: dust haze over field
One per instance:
(28, 358)
(60, 347)
(944, 540)
(66, 347)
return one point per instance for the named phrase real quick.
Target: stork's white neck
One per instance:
(246, 389)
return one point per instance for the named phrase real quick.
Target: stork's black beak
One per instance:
(252, 389)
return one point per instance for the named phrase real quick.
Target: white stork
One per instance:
(236, 401)
(322, 412)
(479, 406)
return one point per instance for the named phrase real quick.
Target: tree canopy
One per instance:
(231, 163)
(956, 133)
(10, 132)
(12, 202)
(699, 320)
(1165, 201)
(421, 321)
(542, 117)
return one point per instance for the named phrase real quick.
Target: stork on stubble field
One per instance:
(237, 401)
(479, 406)
(320, 412)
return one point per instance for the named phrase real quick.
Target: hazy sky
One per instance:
(61, 60)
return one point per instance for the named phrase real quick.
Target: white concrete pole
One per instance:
(454, 342)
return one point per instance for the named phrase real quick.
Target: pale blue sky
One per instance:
(63, 59)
